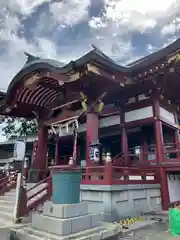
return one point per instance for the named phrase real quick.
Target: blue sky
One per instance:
(124, 29)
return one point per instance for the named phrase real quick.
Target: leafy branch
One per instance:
(17, 127)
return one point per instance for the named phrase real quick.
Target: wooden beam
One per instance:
(63, 116)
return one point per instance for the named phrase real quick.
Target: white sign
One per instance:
(19, 150)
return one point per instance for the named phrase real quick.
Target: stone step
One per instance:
(5, 223)
(8, 198)
(7, 201)
(30, 233)
(6, 216)
(10, 193)
(6, 207)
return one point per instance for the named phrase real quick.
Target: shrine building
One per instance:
(120, 124)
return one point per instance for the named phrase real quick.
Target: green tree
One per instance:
(17, 127)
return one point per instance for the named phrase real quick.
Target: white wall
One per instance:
(174, 187)
(167, 115)
(139, 114)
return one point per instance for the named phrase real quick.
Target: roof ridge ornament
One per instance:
(30, 57)
(98, 51)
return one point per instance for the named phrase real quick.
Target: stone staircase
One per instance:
(7, 203)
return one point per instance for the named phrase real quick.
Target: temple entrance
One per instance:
(174, 186)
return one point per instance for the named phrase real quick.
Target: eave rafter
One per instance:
(164, 66)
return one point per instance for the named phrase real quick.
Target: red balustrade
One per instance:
(172, 152)
(38, 194)
(33, 197)
(109, 174)
(7, 183)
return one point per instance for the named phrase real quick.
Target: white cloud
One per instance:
(70, 12)
(139, 14)
(121, 18)
(171, 28)
(47, 48)
(130, 15)
(24, 7)
(111, 31)
(97, 22)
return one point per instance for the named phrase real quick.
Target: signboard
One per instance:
(19, 150)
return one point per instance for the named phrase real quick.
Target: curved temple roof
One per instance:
(34, 64)
(96, 55)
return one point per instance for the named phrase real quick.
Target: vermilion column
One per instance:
(159, 141)
(124, 139)
(57, 151)
(177, 141)
(41, 154)
(160, 155)
(177, 136)
(124, 142)
(92, 132)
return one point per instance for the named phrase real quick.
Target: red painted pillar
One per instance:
(160, 156)
(124, 139)
(92, 132)
(177, 142)
(57, 151)
(177, 136)
(159, 141)
(164, 188)
(40, 163)
(124, 142)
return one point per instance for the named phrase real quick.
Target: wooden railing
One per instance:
(122, 175)
(7, 183)
(172, 151)
(30, 199)
(145, 156)
(38, 194)
(110, 174)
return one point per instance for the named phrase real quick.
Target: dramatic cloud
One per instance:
(69, 13)
(123, 29)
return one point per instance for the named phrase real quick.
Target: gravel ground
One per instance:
(154, 232)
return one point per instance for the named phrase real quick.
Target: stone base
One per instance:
(63, 219)
(117, 202)
(65, 222)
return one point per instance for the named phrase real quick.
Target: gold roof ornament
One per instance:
(174, 58)
(177, 58)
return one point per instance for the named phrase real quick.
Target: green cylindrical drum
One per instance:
(66, 186)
